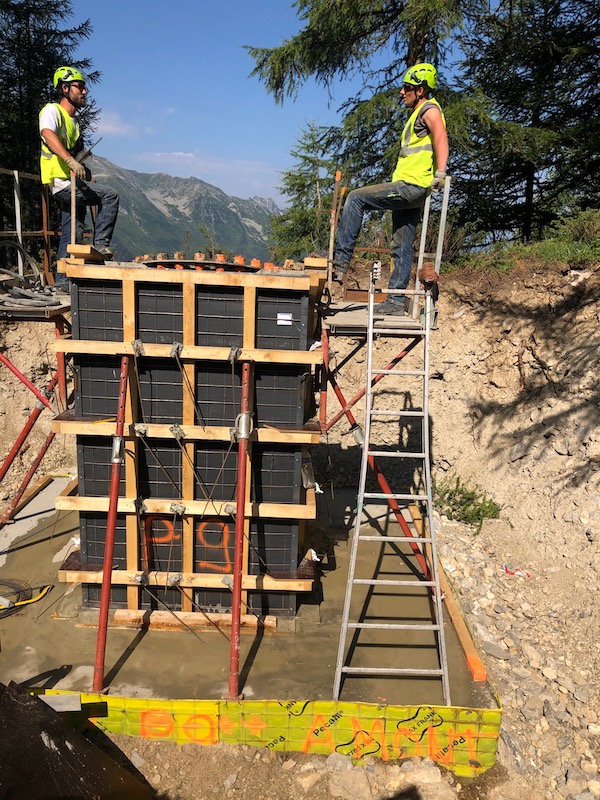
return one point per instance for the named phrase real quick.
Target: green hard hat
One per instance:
(421, 73)
(66, 75)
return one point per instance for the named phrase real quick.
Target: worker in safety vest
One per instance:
(421, 168)
(61, 143)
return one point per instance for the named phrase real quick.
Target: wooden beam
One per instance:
(65, 344)
(199, 580)
(165, 619)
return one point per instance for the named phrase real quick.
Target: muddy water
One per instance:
(52, 643)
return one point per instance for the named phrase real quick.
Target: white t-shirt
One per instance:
(49, 119)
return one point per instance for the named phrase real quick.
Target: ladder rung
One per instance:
(394, 539)
(381, 496)
(392, 626)
(382, 582)
(401, 331)
(411, 372)
(395, 454)
(384, 671)
(394, 413)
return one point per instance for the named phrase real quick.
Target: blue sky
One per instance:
(175, 95)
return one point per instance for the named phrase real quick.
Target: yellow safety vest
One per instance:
(51, 166)
(415, 164)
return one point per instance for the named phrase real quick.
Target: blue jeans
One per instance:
(405, 201)
(106, 201)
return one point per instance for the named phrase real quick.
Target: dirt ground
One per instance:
(515, 407)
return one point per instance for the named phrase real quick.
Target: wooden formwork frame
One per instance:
(82, 267)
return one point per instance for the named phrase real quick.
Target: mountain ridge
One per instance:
(163, 213)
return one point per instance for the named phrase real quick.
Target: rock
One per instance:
(350, 785)
(308, 782)
(495, 650)
(339, 762)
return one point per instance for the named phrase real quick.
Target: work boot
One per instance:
(389, 308)
(339, 270)
(105, 251)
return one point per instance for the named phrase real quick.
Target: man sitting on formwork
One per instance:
(61, 142)
(421, 168)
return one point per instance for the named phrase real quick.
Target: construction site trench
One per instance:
(514, 405)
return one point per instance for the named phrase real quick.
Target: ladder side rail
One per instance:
(442, 229)
(415, 305)
(364, 465)
(429, 311)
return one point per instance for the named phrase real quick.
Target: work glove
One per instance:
(438, 181)
(427, 273)
(76, 168)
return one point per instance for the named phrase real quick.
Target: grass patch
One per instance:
(454, 498)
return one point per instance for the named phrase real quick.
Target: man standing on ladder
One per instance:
(61, 143)
(421, 168)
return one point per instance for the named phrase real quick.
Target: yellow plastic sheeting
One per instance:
(463, 740)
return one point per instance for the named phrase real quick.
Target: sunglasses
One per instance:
(79, 84)
(408, 87)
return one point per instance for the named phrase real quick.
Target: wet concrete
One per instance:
(52, 643)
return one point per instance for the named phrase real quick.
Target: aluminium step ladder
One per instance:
(422, 541)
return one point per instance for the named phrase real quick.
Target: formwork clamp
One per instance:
(234, 354)
(141, 578)
(140, 505)
(177, 432)
(117, 449)
(176, 349)
(177, 508)
(140, 428)
(244, 425)
(138, 347)
(358, 434)
(175, 579)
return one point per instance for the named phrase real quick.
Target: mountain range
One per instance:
(162, 213)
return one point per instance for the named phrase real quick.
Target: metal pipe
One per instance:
(24, 380)
(25, 483)
(360, 394)
(240, 509)
(111, 524)
(324, 374)
(26, 429)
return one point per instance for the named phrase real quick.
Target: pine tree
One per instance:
(32, 46)
(530, 134)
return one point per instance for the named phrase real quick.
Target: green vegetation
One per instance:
(454, 498)
(573, 241)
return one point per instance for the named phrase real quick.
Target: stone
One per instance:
(308, 782)
(339, 762)
(495, 650)
(350, 785)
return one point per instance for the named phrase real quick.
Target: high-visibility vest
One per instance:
(415, 164)
(51, 166)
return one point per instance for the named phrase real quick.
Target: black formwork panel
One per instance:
(216, 471)
(219, 316)
(280, 395)
(281, 320)
(159, 312)
(160, 549)
(92, 529)
(97, 381)
(94, 466)
(97, 310)
(218, 392)
(214, 540)
(160, 391)
(276, 473)
(159, 468)
(273, 550)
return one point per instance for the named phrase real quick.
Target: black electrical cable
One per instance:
(14, 591)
